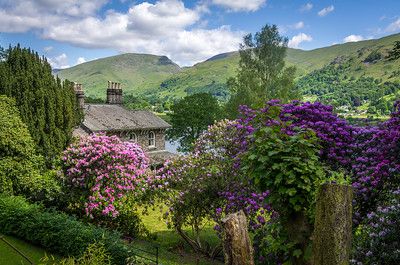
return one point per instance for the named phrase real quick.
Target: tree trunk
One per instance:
(238, 249)
(333, 221)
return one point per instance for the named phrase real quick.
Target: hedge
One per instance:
(55, 231)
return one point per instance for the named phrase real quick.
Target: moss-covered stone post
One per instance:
(238, 249)
(333, 225)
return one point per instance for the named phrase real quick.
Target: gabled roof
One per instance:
(105, 117)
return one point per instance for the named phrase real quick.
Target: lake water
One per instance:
(172, 146)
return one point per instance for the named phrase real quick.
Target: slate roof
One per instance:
(106, 117)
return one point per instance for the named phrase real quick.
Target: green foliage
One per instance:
(129, 222)
(191, 116)
(95, 254)
(19, 164)
(136, 103)
(55, 231)
(394, 54)
(46, 105)
(287, 165)
(332, 86)
(262, 74)
(94, 100)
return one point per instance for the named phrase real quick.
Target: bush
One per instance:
(285, 162)
(378, 241)
(205, 185)
(95, 254)
(55, 231)
(100, 171)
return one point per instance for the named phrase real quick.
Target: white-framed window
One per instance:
(152, 139)
(132, 137)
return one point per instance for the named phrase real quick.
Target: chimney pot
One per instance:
(114, 93)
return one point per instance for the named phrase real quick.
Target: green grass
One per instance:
(173, 250)
(9, 256)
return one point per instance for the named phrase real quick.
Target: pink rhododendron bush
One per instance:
(101, 171)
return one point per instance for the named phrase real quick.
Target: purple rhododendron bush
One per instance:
(102, 173)
(270, 162)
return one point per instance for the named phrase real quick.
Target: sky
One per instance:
(70, 32)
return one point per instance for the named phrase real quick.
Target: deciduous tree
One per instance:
(191, 116)
(262, 74)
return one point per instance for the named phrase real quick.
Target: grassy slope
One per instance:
(173, 250)
(136, 72)
(219, 69)
(8, 256)
(141, 74)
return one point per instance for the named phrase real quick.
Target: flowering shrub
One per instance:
(370, 155)
(203, 186)
(100, 171)
(286, 151)
(379, 241)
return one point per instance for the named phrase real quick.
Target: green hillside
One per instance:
(160, 79)
(137, 72)
(210, 76)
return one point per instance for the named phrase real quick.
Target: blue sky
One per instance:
(69, 32)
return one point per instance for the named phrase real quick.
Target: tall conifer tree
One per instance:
(47, 105)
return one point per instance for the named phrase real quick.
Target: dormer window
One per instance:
(152, 139)
(133, 137)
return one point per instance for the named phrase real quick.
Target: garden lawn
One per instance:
(9, 256)
(173, 249)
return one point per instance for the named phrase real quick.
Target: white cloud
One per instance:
(80, 60)
(325, 11)
(353, 38)
(306, 7)
(240, 5)
(59, 62)
(165, 27)
(295, 41)
(298, 25)
(395, 26)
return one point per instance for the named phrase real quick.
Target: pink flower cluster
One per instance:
(101, 170)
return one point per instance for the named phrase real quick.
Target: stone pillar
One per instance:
(238, 249)
(333, 225)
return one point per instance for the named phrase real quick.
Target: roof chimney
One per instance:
(80, 95)
(114, 93)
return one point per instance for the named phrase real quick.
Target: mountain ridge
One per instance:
(159, 78)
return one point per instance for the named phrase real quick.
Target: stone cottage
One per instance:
(112, 118)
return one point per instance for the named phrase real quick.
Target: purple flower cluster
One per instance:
(379, 241)
(369, 154)
(253, 204)
(205, 184)
(101, 170)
